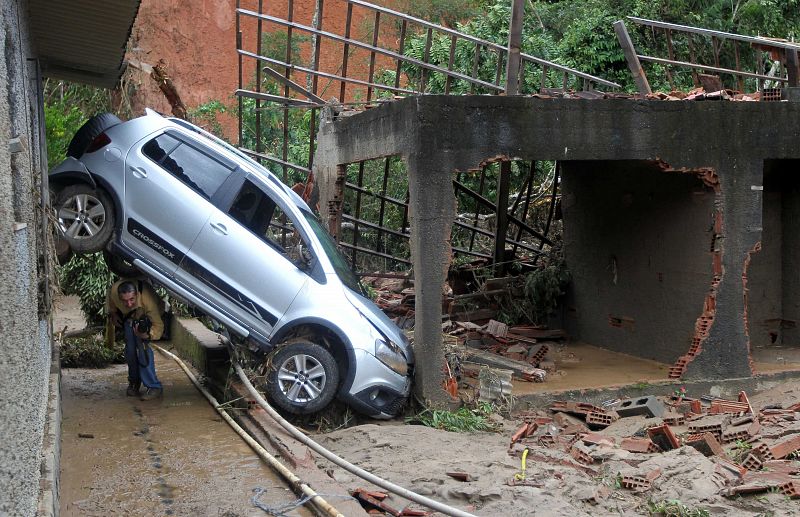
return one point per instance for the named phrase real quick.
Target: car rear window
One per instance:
(198, 170)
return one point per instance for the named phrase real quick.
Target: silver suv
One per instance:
(221, 232)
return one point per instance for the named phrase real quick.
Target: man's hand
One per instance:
(115, 319)
(140, 335)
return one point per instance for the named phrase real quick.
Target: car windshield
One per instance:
(338, 261)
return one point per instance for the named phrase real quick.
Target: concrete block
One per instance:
(648, 405)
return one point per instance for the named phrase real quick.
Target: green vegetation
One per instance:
(88, 277)
(674, 508)
(90, 352)
(463, 420)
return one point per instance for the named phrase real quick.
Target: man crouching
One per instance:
(133, 306)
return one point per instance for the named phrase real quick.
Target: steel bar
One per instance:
(291, 84)
(259, 28)
(335, 77)
(361, 222)
(406, 276)
(475, 61)
(356, 233)
(240, 100)
(368, 47)
(632, 59)
(312, 119)
(368, 251)
(707, 32)
(450, 61)
(501, 213)
(382, 211)
(528, 193)
(287, 101)
(470, 252)
(401, 49)
(710, 68)
(551, 210)
(346, 51)
(274, 159)
(514, 47)
(671, 54)
(485, 43)
(288, 74)
(371, 193)
(480, 191)
(692, 58)
(739, 77)
(426, 56)
(491, 205)
(375, 30)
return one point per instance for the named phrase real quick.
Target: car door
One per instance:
(170, 182)
(246, 253)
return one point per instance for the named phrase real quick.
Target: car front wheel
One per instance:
(302, 377)
(85, 217)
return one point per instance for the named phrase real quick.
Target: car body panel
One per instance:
(263, 281)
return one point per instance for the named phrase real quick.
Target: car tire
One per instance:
(302, 377)
(85, 217)
(119, 266)
(89, 131)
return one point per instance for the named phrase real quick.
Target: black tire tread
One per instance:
(89, 131)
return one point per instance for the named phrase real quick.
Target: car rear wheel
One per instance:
(90, 130)
(302, 377)
(85, 217)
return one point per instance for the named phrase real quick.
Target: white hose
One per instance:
(266, 456)
(353, 469)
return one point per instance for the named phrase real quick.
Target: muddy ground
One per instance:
(176, 457)
(419, 458)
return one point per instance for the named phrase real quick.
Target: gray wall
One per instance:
(729, 141)
(773, 277)
(637, 244)
(24, 342)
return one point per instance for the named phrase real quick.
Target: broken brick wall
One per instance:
(729, 141)
(637, 244)
(773, 282)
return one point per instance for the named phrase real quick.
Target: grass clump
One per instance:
(463, 420)
(90, 352)
(674, 508)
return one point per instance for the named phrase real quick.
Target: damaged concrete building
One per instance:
(677, 214)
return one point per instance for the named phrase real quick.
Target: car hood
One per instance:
(381, 321)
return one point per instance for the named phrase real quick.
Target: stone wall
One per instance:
(24, 335)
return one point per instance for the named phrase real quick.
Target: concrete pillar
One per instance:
(726, 351)
(432, 208)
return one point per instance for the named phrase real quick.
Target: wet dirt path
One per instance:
(175, 456)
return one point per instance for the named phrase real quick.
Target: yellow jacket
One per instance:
(147, 304)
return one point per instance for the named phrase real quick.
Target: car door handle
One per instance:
(139, 172)
(220, 228)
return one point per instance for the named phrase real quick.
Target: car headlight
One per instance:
(391, 355)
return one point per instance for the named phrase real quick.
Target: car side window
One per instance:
(198, 170)
(259, 213)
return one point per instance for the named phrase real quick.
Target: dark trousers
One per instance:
(139, 356)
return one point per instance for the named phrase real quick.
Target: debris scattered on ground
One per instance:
(742, 451)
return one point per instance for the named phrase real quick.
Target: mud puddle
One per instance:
(175, 456)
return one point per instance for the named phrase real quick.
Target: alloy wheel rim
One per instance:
(82, 216)
(302, 378)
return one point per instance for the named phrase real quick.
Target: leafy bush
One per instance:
(460, 421)
(88, 277)
(90, 352)
(544, 287)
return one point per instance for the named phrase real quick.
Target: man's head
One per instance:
(127, 293)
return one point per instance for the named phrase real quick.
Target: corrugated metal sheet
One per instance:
(82, 40)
